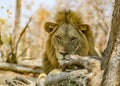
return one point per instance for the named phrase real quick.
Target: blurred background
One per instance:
(96, 13)
(22, 40)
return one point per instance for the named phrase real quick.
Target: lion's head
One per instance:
(68, 35)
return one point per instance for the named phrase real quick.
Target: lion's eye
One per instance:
(58, 38)
(73, 39)
(83, 31)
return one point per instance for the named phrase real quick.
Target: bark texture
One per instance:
(90, 75)
(111, 60)
(18, 68)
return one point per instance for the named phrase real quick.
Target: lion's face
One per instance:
(67, 40)
(67, 35)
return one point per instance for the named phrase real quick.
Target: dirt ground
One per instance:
(8, 75)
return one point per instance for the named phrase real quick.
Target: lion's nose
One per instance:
(64, 53)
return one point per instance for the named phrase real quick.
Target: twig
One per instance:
(21, 35)
(10, 43)
(23, 51)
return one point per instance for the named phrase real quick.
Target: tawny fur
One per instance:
(50, 61)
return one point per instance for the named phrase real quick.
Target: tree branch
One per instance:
(21, 35)
(18, 68)
(91, 75)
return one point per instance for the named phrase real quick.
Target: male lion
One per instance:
(68, 35)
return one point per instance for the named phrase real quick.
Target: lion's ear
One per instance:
(84, 28)
(49, 26)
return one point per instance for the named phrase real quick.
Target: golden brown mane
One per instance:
(50, 60)
(68, 17)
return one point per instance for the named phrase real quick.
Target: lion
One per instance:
(67, 35)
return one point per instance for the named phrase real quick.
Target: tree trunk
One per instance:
(17, 14)
(111, 60)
